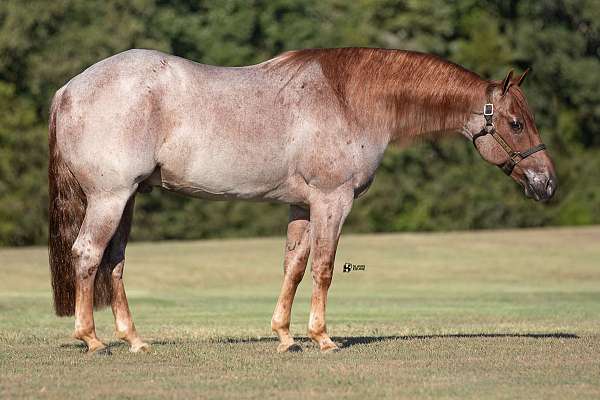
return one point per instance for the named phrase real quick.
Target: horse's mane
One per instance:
(415, 92)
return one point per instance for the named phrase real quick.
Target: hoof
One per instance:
(100, 351)
(289, 348)
(140, 348)
(330, 348)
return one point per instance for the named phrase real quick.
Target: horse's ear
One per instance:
(519, 81)
(507, 82)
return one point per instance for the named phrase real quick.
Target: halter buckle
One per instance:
(516, 156)
(488, 109)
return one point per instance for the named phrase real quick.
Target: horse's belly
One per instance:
(226, 174)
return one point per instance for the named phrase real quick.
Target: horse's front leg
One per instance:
(328, 213)
(297, 250)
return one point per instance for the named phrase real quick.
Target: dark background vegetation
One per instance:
(431, 186)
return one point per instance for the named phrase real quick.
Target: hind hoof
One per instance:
(289, 348)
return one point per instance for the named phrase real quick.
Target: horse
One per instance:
(307, 128)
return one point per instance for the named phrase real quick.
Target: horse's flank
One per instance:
(406, 93)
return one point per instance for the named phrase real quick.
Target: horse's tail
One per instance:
(66, 211)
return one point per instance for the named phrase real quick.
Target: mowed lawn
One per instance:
(492, 314)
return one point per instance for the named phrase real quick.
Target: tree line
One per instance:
(429, 186)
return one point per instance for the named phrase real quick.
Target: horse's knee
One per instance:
(295, 265)
(323, 273)
(294, 270)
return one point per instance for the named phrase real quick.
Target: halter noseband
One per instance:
(514, 157)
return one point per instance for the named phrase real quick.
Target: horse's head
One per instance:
(505, 135)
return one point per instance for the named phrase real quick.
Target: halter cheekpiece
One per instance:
(514, 157)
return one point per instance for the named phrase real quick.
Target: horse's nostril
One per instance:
(551, 186)
(540, 186)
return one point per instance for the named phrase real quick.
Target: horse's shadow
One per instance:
(349, 341)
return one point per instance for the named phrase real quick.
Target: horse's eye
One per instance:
(516, 126)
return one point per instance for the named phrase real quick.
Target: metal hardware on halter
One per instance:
(488, 109)
(514, 157)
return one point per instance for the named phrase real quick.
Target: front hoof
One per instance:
(140, 348)
(101, 350)
(289, 348)
(329, 348)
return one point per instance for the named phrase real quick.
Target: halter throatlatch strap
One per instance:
(514, 157)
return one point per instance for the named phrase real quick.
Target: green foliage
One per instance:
(427, 187)
(23, 187)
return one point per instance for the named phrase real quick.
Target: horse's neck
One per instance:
(404, 115)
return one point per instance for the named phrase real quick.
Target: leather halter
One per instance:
(514, 157)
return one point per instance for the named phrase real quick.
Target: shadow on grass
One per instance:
(349, 341)
(357, 340)
(346, 341)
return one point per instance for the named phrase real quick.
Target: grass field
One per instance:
(506, 314)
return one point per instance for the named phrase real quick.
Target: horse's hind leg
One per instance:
(102, 217)
(297, 250)
(124, 327)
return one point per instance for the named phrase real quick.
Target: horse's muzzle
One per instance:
(540, 186)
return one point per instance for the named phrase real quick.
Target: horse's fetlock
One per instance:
(316, 331)
(278, 324)
(122, 335)
(84, 333)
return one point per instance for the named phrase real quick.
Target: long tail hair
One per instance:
(66, 211)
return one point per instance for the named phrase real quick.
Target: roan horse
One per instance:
(307, 128)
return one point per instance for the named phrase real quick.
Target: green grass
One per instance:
(505, 314)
